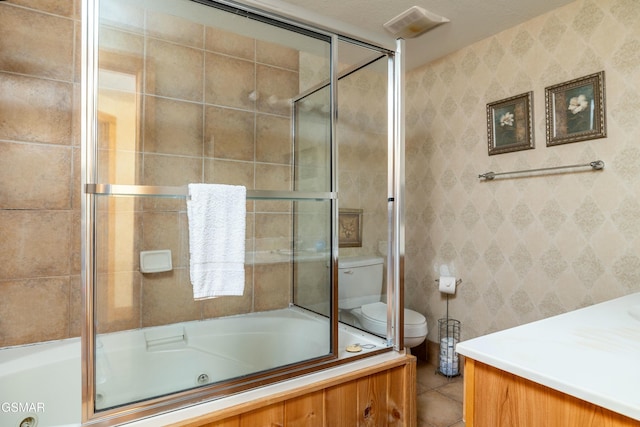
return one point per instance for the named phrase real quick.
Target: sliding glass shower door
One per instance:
(181, 92)
(195, 92)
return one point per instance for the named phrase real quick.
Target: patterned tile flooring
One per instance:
(439, 398)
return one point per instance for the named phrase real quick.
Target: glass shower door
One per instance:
(188, 93)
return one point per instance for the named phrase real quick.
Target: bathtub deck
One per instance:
(364, 392)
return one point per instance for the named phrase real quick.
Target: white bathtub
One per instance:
(43, 381)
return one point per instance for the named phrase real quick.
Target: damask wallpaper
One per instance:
(529, 247)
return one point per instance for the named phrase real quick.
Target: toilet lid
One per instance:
(415, 323)
(375, 311)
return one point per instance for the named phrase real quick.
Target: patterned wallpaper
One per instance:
(535, 246)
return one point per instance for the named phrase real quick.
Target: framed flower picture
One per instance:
(575, 110)
(350, 228)
(509, 124)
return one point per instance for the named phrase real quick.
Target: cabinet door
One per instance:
(495, 398)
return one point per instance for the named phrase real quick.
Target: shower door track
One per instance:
(183, 192)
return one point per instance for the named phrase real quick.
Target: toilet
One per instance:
(359, 293)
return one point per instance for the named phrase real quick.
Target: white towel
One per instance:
(216, 215)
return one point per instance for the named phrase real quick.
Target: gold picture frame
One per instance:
(350, 228)
(575, 110)
(509, 124)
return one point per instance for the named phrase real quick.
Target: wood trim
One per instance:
(469, 392)
(383, 392)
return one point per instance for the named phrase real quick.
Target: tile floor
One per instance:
(439, 399)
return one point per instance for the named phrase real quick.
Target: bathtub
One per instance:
(41, 383)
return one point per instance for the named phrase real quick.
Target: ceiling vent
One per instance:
(413, 22)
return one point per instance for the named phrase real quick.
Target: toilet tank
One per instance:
(359, 281)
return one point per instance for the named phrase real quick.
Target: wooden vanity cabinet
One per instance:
(495, 398)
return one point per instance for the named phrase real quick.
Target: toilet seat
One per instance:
(374, 319)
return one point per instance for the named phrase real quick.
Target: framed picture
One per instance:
(509, 124)
(575, 110)
(350, 228)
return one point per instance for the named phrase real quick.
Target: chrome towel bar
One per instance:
(595, 165)
(183, 192)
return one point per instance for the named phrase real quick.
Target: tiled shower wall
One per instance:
(530, 247)
(40, 167)
(39, 171)
(362, 155)
(197, 128)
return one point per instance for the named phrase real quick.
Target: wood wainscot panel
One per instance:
(495, 398)
(382, 395)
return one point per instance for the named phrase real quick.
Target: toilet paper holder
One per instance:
(458, 282)
(448, 337)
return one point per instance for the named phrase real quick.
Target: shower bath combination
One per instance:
(176, 92)
(216, 93)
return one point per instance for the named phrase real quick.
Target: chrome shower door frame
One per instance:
(91, 189)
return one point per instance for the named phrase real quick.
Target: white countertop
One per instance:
(592, 353)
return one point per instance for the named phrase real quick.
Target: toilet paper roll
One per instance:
(447, 284)
(448, 347)
(449, 367)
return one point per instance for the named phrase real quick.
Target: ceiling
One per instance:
(470, 20)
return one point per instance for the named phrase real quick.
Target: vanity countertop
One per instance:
(592, 353)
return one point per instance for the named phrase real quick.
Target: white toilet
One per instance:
(359, 292)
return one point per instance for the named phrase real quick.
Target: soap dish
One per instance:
(155, 261)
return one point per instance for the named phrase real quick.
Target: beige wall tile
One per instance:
(35, 243)
(75, 115)
(35, 110)
(161, 230)
(273, 139)
(126, 16)
(172, 127)
(122, 45)
(77, 192)
(273, 231)
(171, 170)
(362, 151)
(76, 314)
(47, 112)
(168, 298)
(175, 29)
(273, 177)
(56, 7)
(173, 71)
(278, 55)
(219, 70)
(272, 288)
(77, 56)
(76, 242)
(119, 296)
(228, 43)
(20, 299)
(46, 43)
(316, 291)
(276, 87)
(229, 134)
(35, 176)
(118, 237)
(229, 172)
